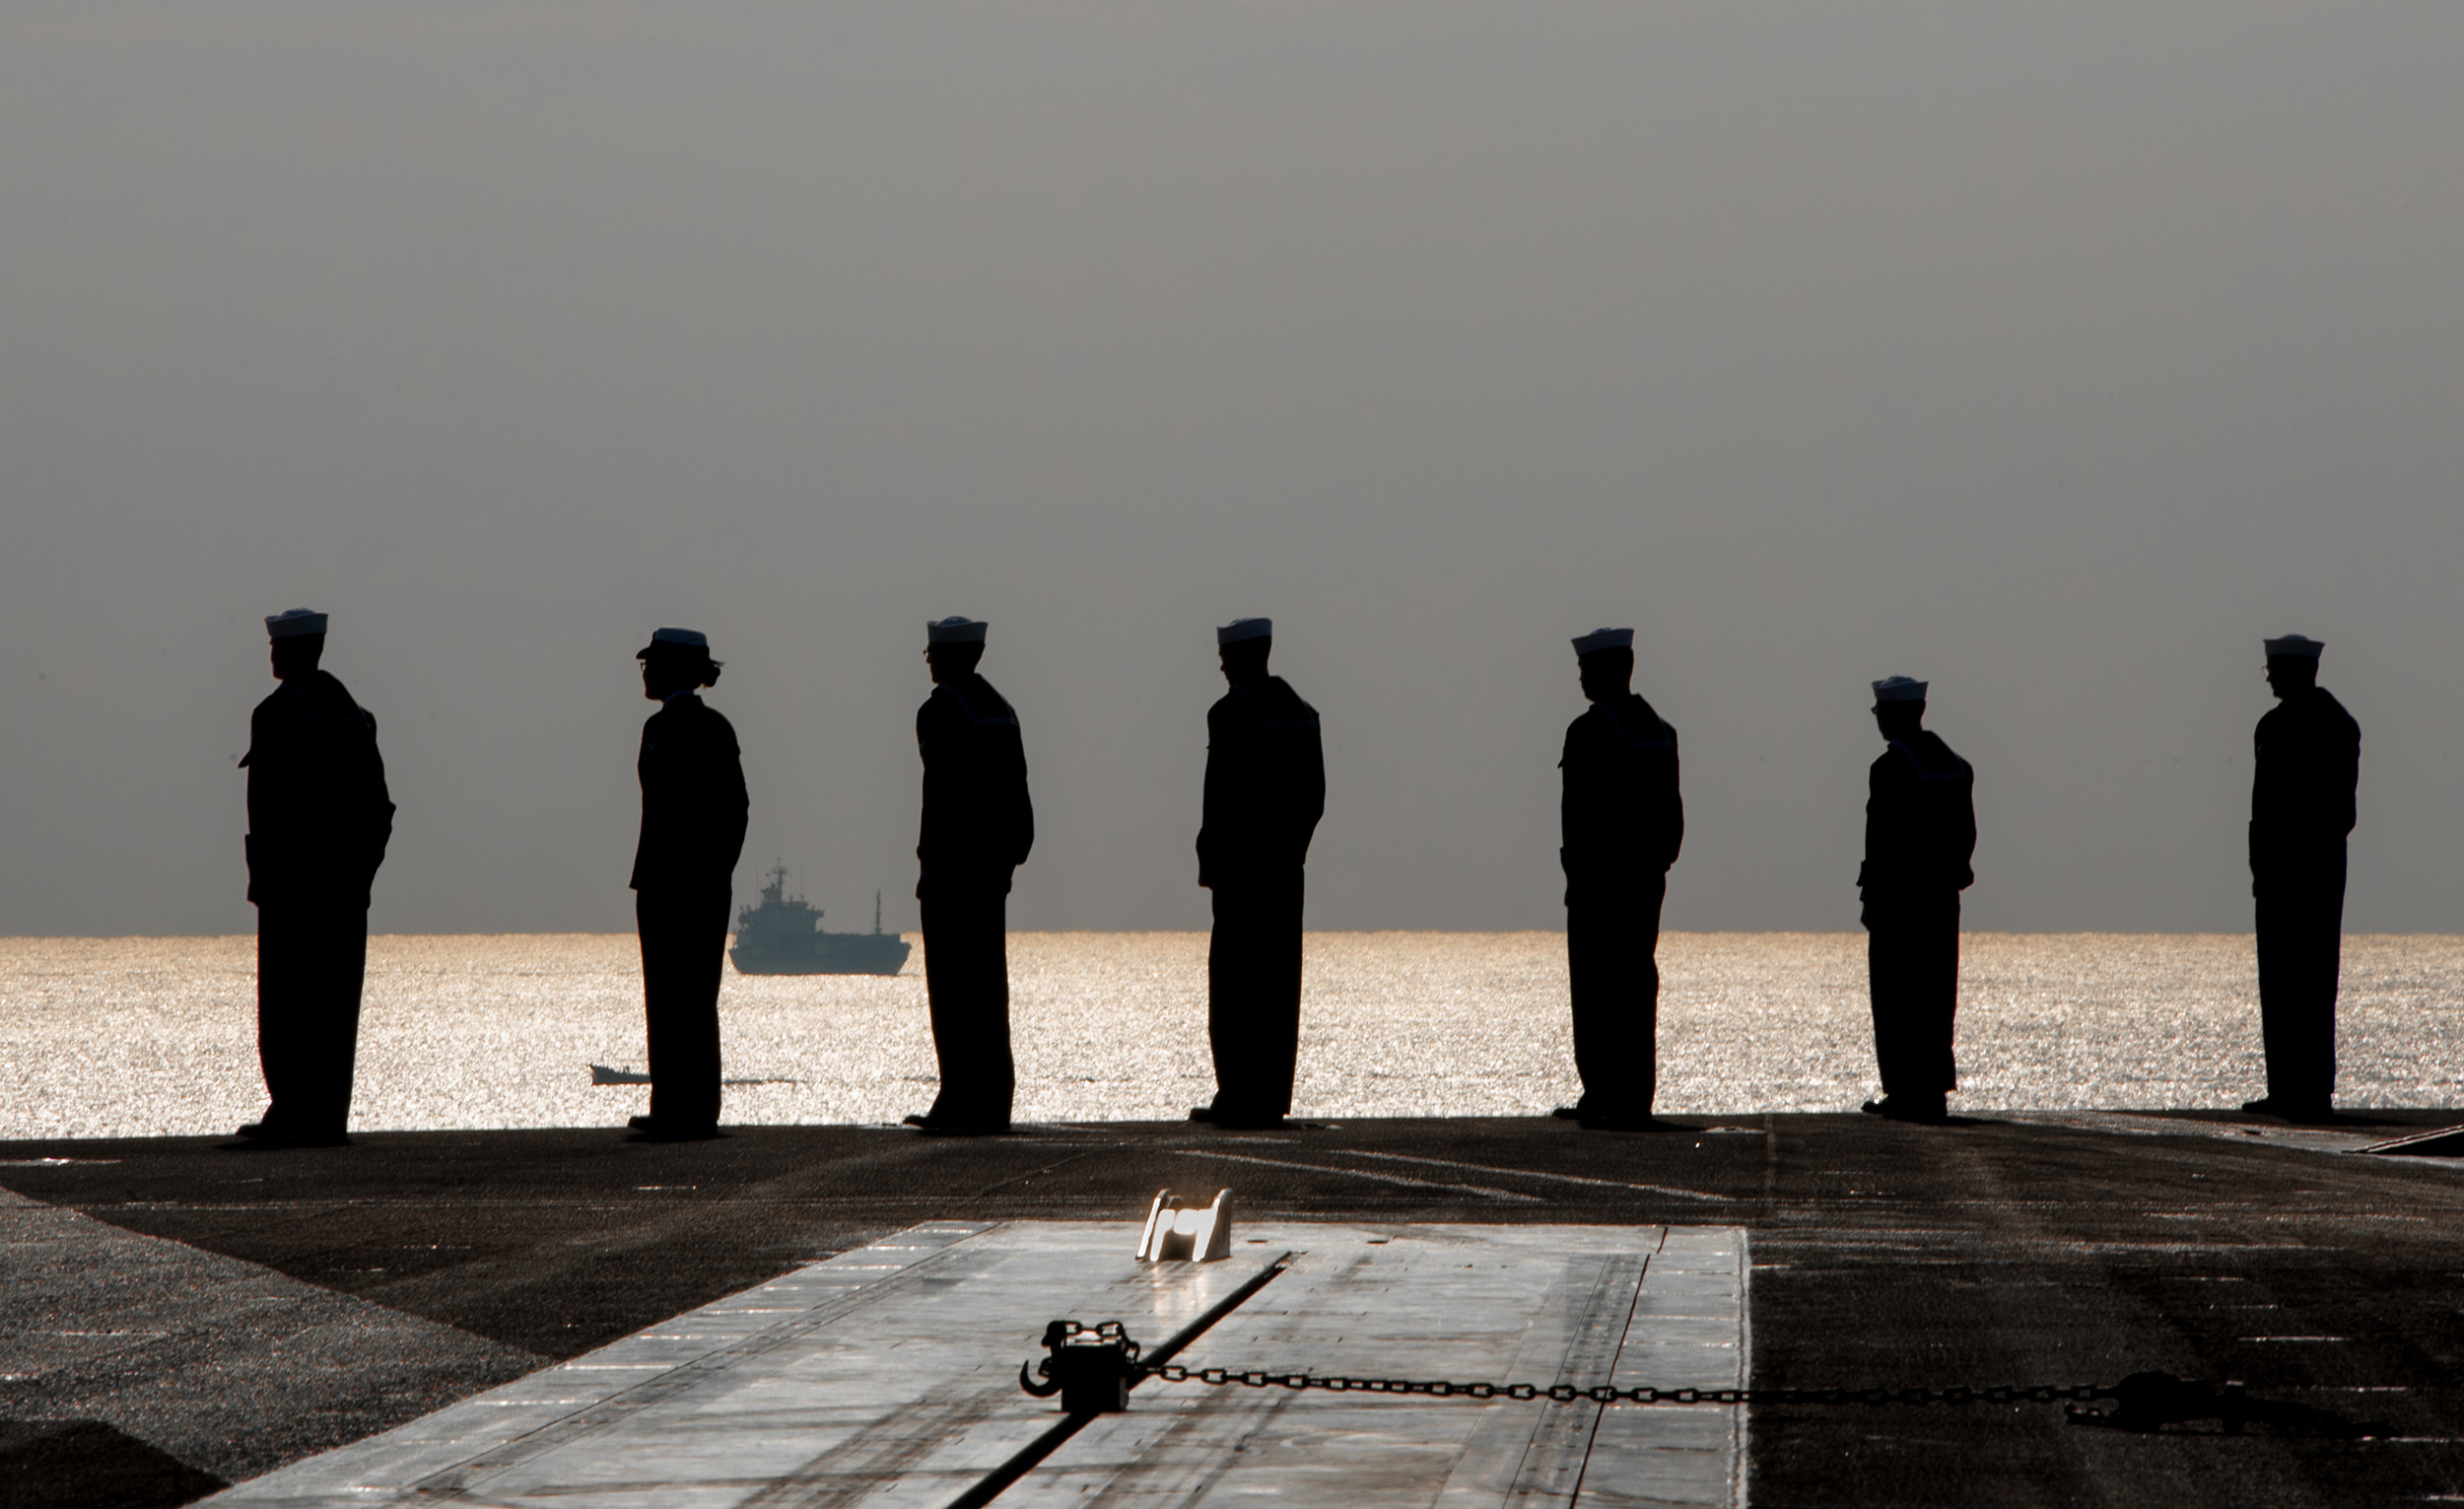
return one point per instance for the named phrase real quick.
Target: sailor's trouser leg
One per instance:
(312, 962)
(684, 942)
(1612, 942)
(1912, 958)
(966, 943)
(2300, 938)
(1253, 994)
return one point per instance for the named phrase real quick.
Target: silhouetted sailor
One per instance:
(318, 821)
(1266, 790)
(1920, 833)
(693, 809)
(978, 827)
(1621, 823)
(2309, 764)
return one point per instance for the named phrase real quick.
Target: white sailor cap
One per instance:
(291, 623)
(957, 629)
(1241, 628)
(2295, 645)
(1604, 639)
(1900, 689)
(675, 639)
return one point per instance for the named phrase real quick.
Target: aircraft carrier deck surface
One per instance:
(186, 1314)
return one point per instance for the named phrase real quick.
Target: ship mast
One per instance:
(877, 914)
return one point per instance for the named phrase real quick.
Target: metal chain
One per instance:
(1645, 1393)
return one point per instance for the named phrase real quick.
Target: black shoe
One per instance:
(259, 1134)
(642, 1122)
(1923, 1113)
(662, 1132)
(1202, 1113)
(936, 1124)
(1643, 1123)
(263, 1135)
(2307, 1115)
(946, 1128)
(1873, 1108)
(1248, 1122)
(1568, 1112)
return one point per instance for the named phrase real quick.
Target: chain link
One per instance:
(1645, 1393)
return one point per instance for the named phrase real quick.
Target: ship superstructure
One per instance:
(783, 936)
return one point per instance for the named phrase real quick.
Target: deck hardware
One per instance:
(1090, 1367)
(2143, 1402)
(1180, 1232)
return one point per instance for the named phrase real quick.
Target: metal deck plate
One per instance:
(888, 1377)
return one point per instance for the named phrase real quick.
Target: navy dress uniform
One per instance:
(694, 811)
(1265, 791)
(978, 828)
(1621, 822)
(2301, 808)
(1920, 834)
(319, 818)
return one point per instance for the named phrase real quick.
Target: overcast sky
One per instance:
(2057, 353)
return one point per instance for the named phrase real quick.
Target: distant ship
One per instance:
(782, 936)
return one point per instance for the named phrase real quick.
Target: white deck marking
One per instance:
(2321, 1139)
(1533, 1173)
(1361, 1173)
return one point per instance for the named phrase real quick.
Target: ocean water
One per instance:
(144, 1035)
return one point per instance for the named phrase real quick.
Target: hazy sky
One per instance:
(2054, 351)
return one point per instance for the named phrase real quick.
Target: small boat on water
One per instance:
(783, 936)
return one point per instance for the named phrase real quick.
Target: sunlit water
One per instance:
(140, 1036)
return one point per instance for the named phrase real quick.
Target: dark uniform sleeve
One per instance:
(1006, 782)
(730, 810)
(926, 735)
(1306, 800)
(1878, 827)
(273, 819)
(1959, 841)
(936, 747)
(1217, 819)
(1891, 826)
(1578, 801)
(373, 809)
(653, 863)
(1668, 812)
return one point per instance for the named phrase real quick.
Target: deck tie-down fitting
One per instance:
(1090, 1368)
(1180, 1232)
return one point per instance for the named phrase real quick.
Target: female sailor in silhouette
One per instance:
(694, 808)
